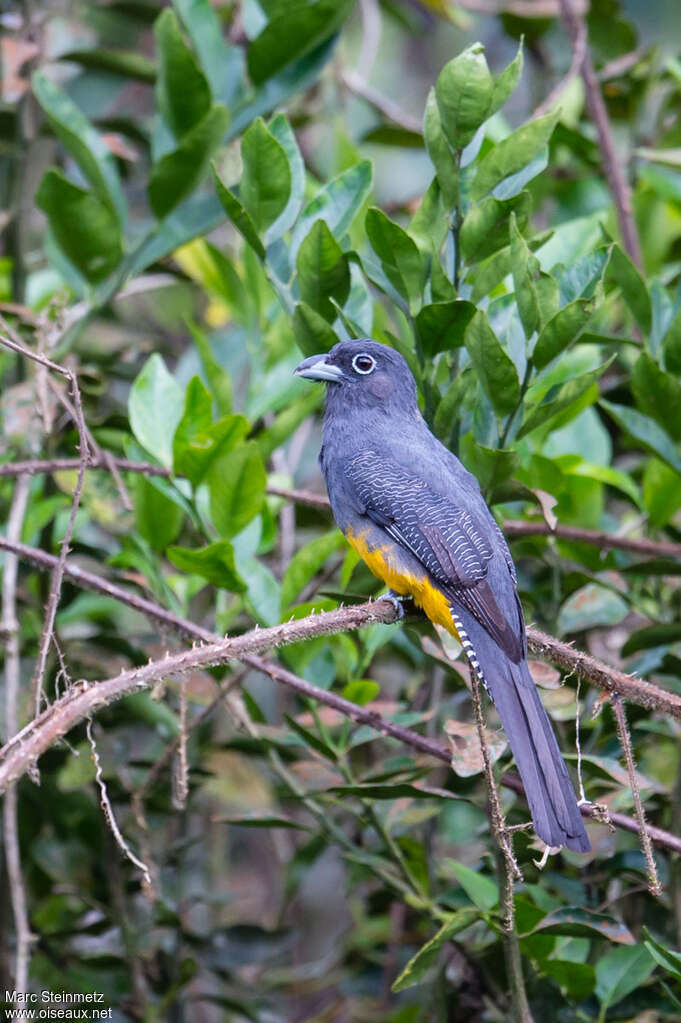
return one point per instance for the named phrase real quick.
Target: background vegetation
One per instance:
(192, 196)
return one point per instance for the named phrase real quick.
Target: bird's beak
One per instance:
(317, 368)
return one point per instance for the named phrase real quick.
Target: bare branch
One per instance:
(33, 466)
(9, 628)
(613, 166)
(357, 85)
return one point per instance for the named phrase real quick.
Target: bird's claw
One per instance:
(396, 600)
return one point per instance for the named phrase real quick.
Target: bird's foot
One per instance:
(396, 600)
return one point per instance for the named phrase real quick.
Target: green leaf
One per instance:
(561, 331)
(237, 214)
(665, 957)
(574, 395)
(80, 139)
(620, 971)
(661, 492)
(525, 269)
(657, 393)
(176, 173)
(417, 967)
(196, 421)
(662, 634)
(155, 407)
(464, 95)
(215, 563)
(158, 519)
(632, 286)
(338, 202)
(399, 255)
(237, 482)
(266, 181)
(490, 466)
(589, 607)
(441, 326)
(506, 82)
(440, 154)
(281, 130)
(86, 229)
(649, 434)
(485, 228)
(294, 28)
(481, 890)
(218, 379)
(221, 62)
(313, 334)
(126, 63)
(493, 366)
(306, 563)
(202, 448)
(671, 345)
(574, 921)
(182, 92)
(361, 691)
(513, 154)
(323, 271)
(578, 980)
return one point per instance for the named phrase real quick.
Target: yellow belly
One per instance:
(380, 561)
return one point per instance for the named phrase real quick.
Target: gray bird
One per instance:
(419, 521)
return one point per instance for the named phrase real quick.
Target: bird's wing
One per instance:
(449, 543)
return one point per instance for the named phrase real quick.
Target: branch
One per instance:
(516, 528)
(278, 673)
(33, 466)
(612, 165)
(9, 628)
(357, 85)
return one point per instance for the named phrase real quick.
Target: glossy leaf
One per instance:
(440, 153)
(620, 971)
(176, 173)
(481, 890)
(493, 366)
(464, 95)
(155, 408)
(306, 563)
(632, 285)
(441, 326)
(323, 271)
(313, 333)
(157, 518)
(657, 393)
(506, 83)
(266, 182)
(561, 331)
(214, 563)
(86, 229)
(294, 29)
(419, 965)
(672, 346)
(237, 483)
(646, 432)
(242, 221)
(182, 92)
(575, 921)
(512, 154)
(399, 255)
(485, 227)
(80, 139)
(281, 130)
(571, 395)
(338, 203)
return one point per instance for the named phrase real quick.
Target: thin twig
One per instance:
(33, 466)
(613, 166)
(9, 629)
(357, 85)
(108, 809)
(58, 573)
(654, 886)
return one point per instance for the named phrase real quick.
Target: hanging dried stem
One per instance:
(9, 629)
(654, 886)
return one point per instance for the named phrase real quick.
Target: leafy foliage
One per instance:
(231, 216)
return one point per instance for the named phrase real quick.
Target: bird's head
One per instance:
(363, 374)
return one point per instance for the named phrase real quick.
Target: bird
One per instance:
(418, 519)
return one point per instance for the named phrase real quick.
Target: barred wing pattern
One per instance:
(445, 539)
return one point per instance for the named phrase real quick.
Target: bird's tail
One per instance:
(551, 797)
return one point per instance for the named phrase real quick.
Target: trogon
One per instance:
(419, 521)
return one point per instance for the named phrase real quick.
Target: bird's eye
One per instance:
(363, 363)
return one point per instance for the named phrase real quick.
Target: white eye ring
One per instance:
(363, 355)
